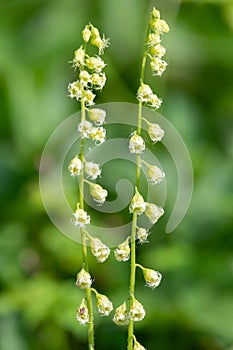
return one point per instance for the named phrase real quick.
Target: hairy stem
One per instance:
(83, 238)
(134, 220)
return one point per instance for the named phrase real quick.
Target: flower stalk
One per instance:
(90, 77)
(154, 51)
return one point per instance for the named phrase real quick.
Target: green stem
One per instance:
(140, 266)
(134, 220)
(83, 238)
(145, 120)
(132, 278)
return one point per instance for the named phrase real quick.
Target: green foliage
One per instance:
(192, 309)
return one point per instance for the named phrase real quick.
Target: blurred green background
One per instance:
(193, 307)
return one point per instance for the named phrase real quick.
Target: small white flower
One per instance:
(98, 134)
(98, 80)
(75, 167)
(104, 305)
(158, 66)
(155, 101)
(88, 97)
(80, 218)
(79, 58)
(152, 278)
(155, 132)
(159, 26)
(121, 315)
(95, 63)
(101, 43)
(144, 93)
(158, 50)
(142, 235)
(122, 252)
(98, 193)
(153, 39)
(92, 170)
(82, 314)
(138, 346)
(85, 128)
(136, 144)
(99, 250)
(136, 312)
(137, 205)
(83, 279)
(155, 174)
(96, 40)
(97, 115)
(84, 77)
(86, 33)
(153, 212)
(75, 90)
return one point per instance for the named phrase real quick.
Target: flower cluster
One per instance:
(138, 206)
(90, 78)
(124, 314)
(95, 133)
(155, 51)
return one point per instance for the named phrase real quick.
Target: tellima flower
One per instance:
(80, 218)
(98, 80)
(137, 205)
(152, 278)
(136, 312)
(98, 193)
(79, 57)
(122, 252)
(92, 170)
(155, 132)
(158, 66)
(84, 77)
(88, 97)
(104, 305)
(75, 90)
(121, 315)
(157, 51)
(98, 135)
(83, 279)
(136, 144)
(159, 26)
(82, 314)
(99, 249)
(101, 43)
(95, 63)
(153, 212)
(97, 115)
(155, 174)
(86, 33)
(138, 346)
(75, 166)
(85, 128)
(144, 93)
(155, 102)
(142, 234)
(153, 39)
